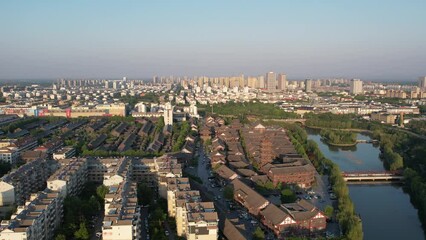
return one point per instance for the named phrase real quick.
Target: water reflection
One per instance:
(385, 209)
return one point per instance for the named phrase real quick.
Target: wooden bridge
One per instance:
(368, 177)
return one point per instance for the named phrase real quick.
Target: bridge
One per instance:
(368, 177)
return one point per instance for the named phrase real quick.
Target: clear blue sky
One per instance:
(368, 39)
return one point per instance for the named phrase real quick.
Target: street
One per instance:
(214, 194)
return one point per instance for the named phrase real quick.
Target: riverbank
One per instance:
(349, 222)
(377, 215)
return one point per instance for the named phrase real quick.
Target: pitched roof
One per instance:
(231, 232)
(251, 198)
(300, 210)
(226, 173)
(274, 214)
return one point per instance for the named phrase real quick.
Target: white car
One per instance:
(98, 234)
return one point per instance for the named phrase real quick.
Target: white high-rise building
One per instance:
(282, 82)
(308, 85)
(356, 86)
(141, 107)
(422, 83)
(168, 114)
(271, 79)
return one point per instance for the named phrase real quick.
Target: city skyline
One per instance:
(380, 40)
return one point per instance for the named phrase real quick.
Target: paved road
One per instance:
(321, 189)
(209, 193)
(144, 222)
(98, 225)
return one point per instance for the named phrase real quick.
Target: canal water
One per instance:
(385, 209)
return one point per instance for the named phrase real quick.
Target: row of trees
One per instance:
(180, 135)
(349, 221)
(18, 124)
(409, 152)
(337, 137)
(264, 110)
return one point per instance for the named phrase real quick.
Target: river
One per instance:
(385, 209)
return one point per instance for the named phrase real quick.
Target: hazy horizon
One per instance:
(381, 40)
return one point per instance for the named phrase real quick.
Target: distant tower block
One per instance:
(168, 114)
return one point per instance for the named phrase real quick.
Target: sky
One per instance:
(367, 39)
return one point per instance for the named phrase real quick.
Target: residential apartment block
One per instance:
(35, 220)
(70, 178)
(17, 186)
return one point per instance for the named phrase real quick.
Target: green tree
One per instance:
(82, 232)
(328, 211)
(288, 196)
(144, 194)
(228, 192)
(60, 237)
(101, 191)
(258, 234)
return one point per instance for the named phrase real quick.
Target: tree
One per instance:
(228, 192)
(144, 194)
(101, 191)
(60, 237)
(288, 196)
(82, 232)
(328, 211)
(258, 234)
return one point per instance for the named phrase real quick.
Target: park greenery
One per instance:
(349, 221)
(334, 121)
(417, 126)
(251, 109)
(338, 137)
(79, 212)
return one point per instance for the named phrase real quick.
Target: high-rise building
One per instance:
(168, 114)
(356, 86)
(261, 82)
(271, 79)
(282, 82)
(107, 84)
(308, 85)
(422, 82)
